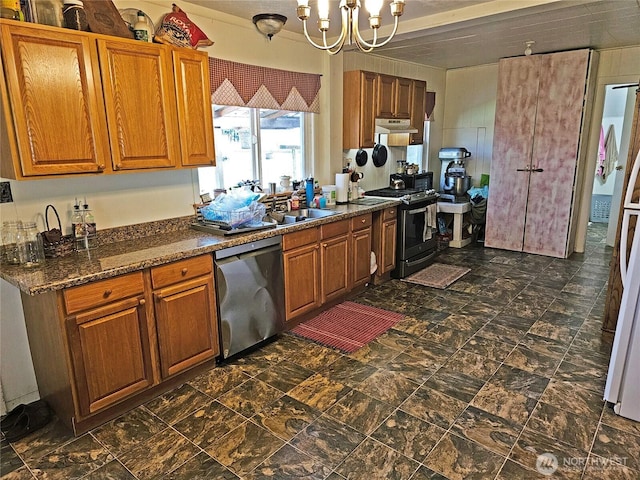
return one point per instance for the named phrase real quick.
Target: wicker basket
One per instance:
(55, 244)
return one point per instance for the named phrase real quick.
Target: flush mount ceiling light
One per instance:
(529, 44)
(269, 23)
(350, 10)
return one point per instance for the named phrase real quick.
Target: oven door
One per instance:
(414, 237)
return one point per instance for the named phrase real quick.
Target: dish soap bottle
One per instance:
(141, 30)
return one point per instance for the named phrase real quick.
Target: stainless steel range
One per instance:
(416, 244)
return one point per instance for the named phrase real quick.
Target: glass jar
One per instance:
(10, 237)
(30, 246)
(74, 15)
(49, 12)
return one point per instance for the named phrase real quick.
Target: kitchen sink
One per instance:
(307, 214)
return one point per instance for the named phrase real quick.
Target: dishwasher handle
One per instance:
(248, 254)
(246, 248)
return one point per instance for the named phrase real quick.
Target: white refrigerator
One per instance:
(623, 380)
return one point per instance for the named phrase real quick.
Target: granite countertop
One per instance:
(157, 247)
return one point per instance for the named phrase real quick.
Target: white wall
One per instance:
(470, 115)
(619, 65)
(613, 114)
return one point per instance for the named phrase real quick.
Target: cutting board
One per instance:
(103, 17)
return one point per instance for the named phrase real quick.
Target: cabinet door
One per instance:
(334, 261)
(554, 154)
(195, 117)
(186, 324)
(386, 96)
(367, 110)
(512, 144)
(140, 101)
(388, 246)
(361, 256)
(301, 280)
(419, 90)
(403, 98)
(55, 96)
(110, 354)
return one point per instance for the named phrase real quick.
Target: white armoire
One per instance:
(536, 167)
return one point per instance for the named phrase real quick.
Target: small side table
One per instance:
(458, 210)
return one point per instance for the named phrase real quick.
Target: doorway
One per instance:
(616, 122)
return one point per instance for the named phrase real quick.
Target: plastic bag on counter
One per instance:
(238, 208)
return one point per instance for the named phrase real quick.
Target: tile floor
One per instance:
(479, 380)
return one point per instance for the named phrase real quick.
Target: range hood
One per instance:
(388, 125)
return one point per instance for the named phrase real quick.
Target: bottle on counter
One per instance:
(77, 226)
(74, 15)
(91, 233)
(141, 29)
(295, 201)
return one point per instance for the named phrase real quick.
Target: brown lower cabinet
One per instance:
(384, 241)
(101, 348)
(323, 264)
(334, 260)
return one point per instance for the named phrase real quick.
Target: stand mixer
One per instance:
(454, 181)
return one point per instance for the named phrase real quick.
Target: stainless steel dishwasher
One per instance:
(250, 292)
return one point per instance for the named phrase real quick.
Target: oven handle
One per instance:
(417, 210)
(421, 260)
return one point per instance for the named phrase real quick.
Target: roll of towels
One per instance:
(342, 187)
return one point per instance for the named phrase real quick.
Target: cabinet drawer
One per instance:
(390, 214)
(298, 239)
(102, 292)
(363, 221)
(179, 271)
(334, 229)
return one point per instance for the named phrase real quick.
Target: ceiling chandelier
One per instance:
(349, 32)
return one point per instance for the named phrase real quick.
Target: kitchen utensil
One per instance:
(397, 184)
(379, 155)
(361, 158)
(356, 176)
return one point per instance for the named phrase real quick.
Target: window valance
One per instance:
(245, 85)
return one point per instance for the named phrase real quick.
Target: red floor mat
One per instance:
(348, 326)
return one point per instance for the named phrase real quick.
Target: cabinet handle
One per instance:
(142, 301)
(324, 245)
(363, 220)
(523, 169)
(184, 271)
(101, 167)
(118, 166)
(107, 293)
(538, 170)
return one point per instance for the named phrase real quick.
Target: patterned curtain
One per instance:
(245, 85)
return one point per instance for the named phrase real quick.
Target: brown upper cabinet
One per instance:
(394, 97)
(418, 107)
(368, 95)
(75, 103)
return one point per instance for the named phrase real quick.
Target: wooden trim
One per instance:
(614, 289)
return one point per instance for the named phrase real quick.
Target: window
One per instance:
(255, 144)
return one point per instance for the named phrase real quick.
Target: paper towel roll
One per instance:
(342, 187)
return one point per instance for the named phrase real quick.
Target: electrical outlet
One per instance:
(5, 192)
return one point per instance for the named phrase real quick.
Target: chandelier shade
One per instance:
(349, 31)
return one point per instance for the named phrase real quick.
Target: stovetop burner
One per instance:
(407, 195)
